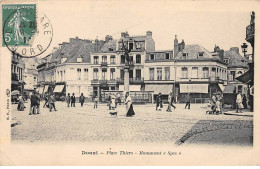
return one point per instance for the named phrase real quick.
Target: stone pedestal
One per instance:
(126, 79)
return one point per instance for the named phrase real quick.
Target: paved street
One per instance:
(86, 124)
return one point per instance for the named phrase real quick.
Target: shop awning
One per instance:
(58, 88)
(158, 88)
(246, 77)
(194, 88)
(229, 89)
(46, 88)
(221, 87)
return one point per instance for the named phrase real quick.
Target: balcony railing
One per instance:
(131, 80)
(250, 31)
(103, 63)
(15, 77)
(95, 81)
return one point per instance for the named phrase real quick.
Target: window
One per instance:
(239, 88)
(64, 76)
(110, 49)
(122, 58)
(226, 61)
(239, 73)
(95, 74)
(113, 59)
(131, 73)
(232, 75)
(194, 72)
(159, 73)
(85, 74)
(104, 74)
(122, 73)
(167, 73)
(167, 56)
(112, 73)
(138, 58)
(104, 59)
(184, 72)
(151, 73)
(184, 55)
(213, 72)
(96, 60)
(79, 74)
(205, 71)
(151, 56)
(138, 74)
(200, 54)
(131, 46)
(131, 57)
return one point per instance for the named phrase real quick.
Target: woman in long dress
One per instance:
(21, 104)
(129, 106)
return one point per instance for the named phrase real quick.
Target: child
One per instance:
(209, 110)
(218, 107)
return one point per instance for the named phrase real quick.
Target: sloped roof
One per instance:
(83, 52)
(193, 51)
(235, 59)
(110, 44)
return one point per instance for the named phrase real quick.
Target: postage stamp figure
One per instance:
(19, 23)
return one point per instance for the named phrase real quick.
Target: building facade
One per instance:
(17, 71)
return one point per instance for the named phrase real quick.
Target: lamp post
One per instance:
(244, 48)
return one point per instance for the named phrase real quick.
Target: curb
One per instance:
(236, 114)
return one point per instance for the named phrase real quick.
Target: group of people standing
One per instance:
(49, 101)
(159, 102)
(241, 102)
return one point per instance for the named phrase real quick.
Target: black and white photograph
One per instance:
(134, 82)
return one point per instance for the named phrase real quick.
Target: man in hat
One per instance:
(159, 102)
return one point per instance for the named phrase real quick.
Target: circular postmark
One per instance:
(26, 32)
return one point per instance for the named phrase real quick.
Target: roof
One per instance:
(235, 59)
(135, 38)
(110, 44)
(193, 51)
(83, 52)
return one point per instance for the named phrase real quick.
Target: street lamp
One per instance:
(127, 65)
(244, 48)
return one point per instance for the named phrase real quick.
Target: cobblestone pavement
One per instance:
(86, 124)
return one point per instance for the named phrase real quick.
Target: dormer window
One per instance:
(184, 55)
(151, 56)
(226, 61)
(79, 60)
(167, 56)
(200, 54)
(110, 49)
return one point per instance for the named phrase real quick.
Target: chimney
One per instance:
(96, 45)
(176, 47)
(107, 38)
(182, 44)
(235, 49)
(216, 48)
(149, 33)
(221, 55)
(122, 34)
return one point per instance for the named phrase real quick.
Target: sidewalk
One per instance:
(245, 112)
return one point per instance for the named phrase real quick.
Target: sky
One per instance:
(207, 24)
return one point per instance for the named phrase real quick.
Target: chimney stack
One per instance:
(149, 33)
(235, 49)
(176, 47)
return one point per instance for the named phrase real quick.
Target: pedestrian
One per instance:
(218, 106)
(52, 102)
(95, 101)
(239, 103)
(188, 101)
(169, 103)
(34, 103)
(159, 102)
(46, 96)
(118, 98)
(82, 99)
(172, 101)
(68, 100)
(73, 100)
(244, 101)
(113, 102)
(109, 101)
(20, 106)
(129, 106)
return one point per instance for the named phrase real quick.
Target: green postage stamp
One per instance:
(19, 24)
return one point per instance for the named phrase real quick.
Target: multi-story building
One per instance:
(108, 63)
(17, 71)
(30, 74)
(185, 69)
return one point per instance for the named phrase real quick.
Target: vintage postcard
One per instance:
(129, 83)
